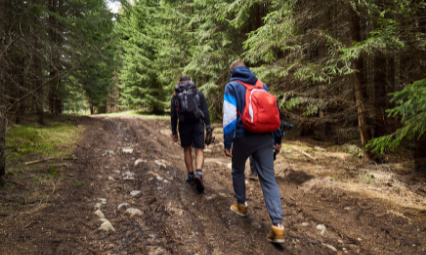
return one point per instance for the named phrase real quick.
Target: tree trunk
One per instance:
(2, 95)
(420, 155)
(38, 74)
(307, 130)
(379, 95)
(53, 33)
(359, 86)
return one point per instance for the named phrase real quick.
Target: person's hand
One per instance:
(228, 153)
(175, 138)
(277, 147)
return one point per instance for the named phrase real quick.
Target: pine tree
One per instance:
(140, 40)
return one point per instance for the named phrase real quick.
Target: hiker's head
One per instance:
(235, 64)
(185, 78)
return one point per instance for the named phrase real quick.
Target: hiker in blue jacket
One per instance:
(245, 143)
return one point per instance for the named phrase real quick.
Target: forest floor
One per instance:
(128, 175)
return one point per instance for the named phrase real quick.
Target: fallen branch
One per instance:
(28, 224)
(305, 154)
(46, 159)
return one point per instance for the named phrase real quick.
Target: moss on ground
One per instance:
(54, 140)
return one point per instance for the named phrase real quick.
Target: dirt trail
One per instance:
(170, 217)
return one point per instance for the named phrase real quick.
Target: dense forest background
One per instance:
(354, 69)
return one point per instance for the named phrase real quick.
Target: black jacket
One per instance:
(174, 113)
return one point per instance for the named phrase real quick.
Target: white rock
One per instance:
(133, 212)
(150, 179)
(159, 178)
(165, 181)
(103, 200)
(116, 171)
(319, 148)
(106, 226)
(330, 247)
(161, 162)
(359, 239)
(322, 228)
(123, 205)
(207, 150)
(156, 251)
(109, 152)
(230, 166)
(98, 206)
(128, 175)
(305, 224)
(110, 178)
(99, 213)
(347, 208)
(127, 150)
(138, 161)
(134, 193)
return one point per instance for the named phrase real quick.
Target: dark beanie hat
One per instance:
(185, 78)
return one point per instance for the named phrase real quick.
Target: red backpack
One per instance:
(261, 113)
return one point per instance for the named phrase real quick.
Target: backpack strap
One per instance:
(259, 84)
(176, 102)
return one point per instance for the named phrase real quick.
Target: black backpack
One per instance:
(188, 102)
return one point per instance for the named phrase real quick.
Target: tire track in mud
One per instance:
(196, 224)
(175, 219)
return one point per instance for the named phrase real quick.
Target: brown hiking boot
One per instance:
(276, 236)
(239, 209)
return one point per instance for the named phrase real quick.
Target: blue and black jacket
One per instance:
(234, 101)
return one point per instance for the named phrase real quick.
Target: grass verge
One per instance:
(136, 113)
(36, 182)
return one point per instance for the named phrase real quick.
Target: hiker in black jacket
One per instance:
(189, 106)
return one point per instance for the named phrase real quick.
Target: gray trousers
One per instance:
(253, 169)
(260, 147)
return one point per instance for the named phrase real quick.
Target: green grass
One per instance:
(52, 171)
(54, 140)
(367, 178)
(285, 147)
(136, 113)
(334, 178)
(78, 183)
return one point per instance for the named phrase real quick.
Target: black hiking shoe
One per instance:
(198, 178)
(190, 178)
(253, 176)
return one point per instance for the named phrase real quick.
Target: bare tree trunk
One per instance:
(18, 76)
(38, 75)
(2, 95)
(53, 33)
(420, 155)
(359, 86)
(38, 81)
(379, 95)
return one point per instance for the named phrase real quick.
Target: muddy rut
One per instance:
(129, 177)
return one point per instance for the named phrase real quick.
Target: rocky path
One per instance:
(129, 197)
